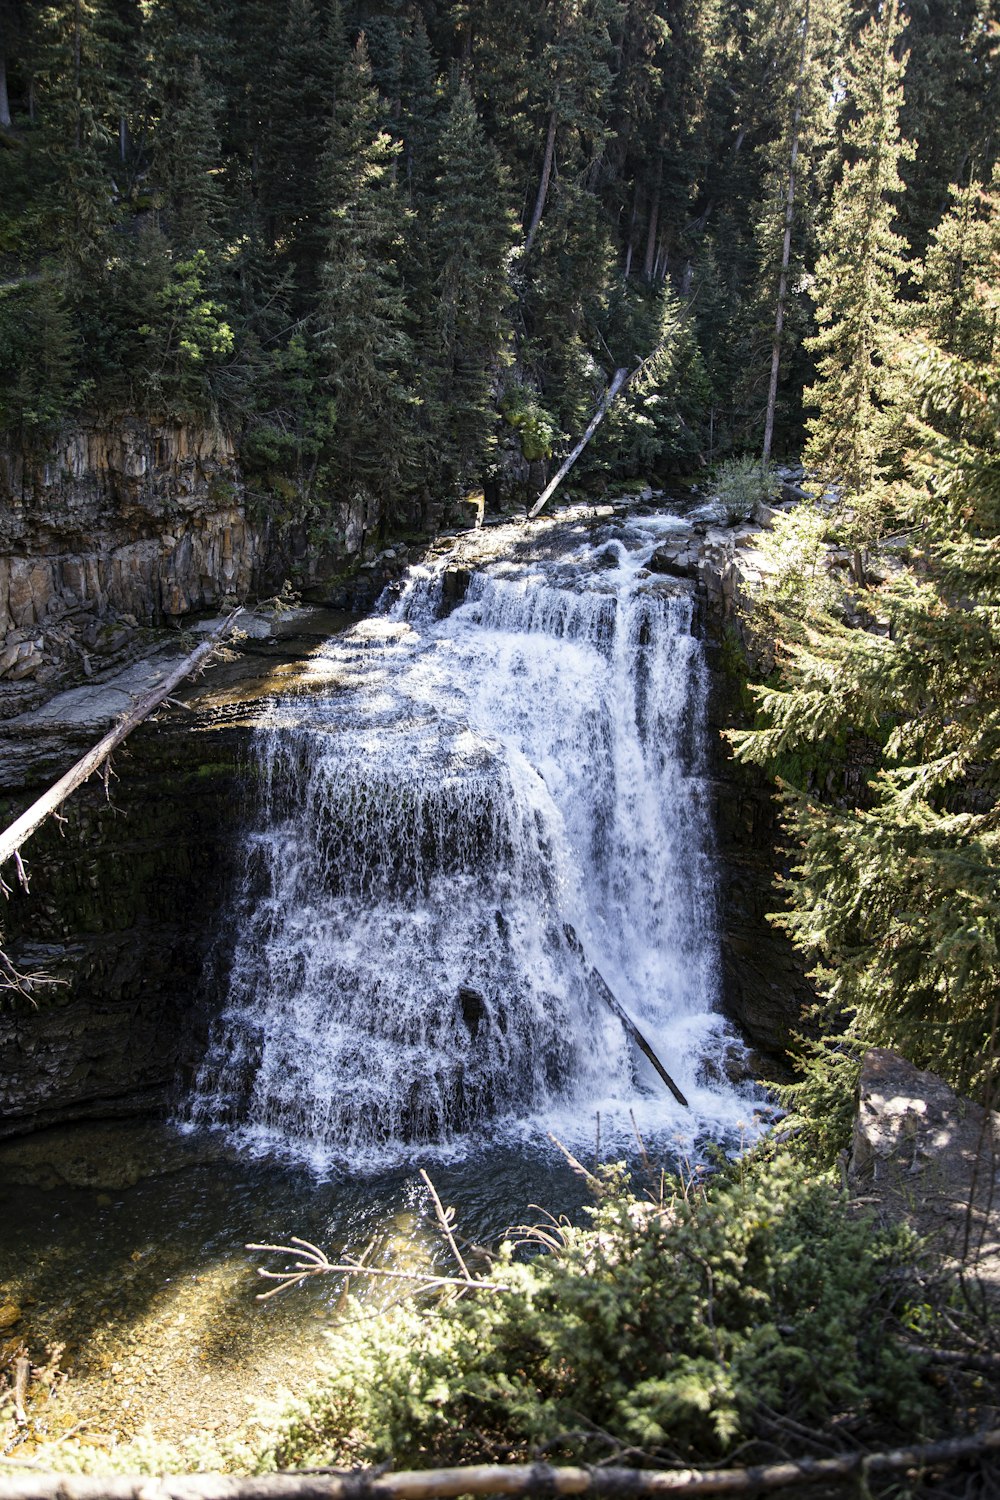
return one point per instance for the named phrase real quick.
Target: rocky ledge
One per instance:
(924, 1156)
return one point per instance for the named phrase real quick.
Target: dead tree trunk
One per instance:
(653, 230)
(5, 120)
(19, 831)
(611, 1001)
(496, 1479)
(620, 379)
(543, 185)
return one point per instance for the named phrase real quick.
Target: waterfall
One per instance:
(477, 811)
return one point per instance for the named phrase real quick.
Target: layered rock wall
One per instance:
(124, 899)
(144, 521)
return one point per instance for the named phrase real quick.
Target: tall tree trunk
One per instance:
(786, 244)
(543, 186)
(76, 74)
(652, 233)
(4, 101)
(620, 379)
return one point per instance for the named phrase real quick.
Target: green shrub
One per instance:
(674, 1328)
(741, 484)
(536, 428)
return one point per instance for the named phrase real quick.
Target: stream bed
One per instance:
(126, 1244)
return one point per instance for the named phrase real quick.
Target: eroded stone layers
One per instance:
(131, 520)
(123, 902)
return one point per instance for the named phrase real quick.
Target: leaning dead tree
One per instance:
(23, 827)
(615, 1006)
(501, 1479)
(619, 380)
(12, 838)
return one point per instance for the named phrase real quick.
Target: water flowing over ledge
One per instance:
(480, 810)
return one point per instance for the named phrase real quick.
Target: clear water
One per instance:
(482, 811)
(125, 1245)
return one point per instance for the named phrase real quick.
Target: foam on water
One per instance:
(490, 807)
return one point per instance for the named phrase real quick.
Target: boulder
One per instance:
(674, 559)
(454, 587)
(923, 1155)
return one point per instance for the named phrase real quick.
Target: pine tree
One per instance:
(38, 356)
(362, 313)
(575, 82)
(958, 259)
(859, 272)
(785, 230)
(80, 110)
(419, 114)
(300, 95)
(473, 231)
(186, 159)
(894, 894)
(951, 106)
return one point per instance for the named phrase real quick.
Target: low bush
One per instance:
(682, 1328)
(741, 484)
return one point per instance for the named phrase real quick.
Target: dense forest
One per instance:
(399, 250)
(392, 245)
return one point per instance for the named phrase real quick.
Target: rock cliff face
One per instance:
(129, 525)
(122, 904)
(923, 1156)
(147, 520)
(764, 985)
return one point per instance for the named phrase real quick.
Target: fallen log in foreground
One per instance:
(497, 1479)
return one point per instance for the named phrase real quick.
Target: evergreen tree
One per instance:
(419, 122)
(362, 312)
(951, 106)
(37, 356)
(186, 159)
(894, 894)
(785, 230)
(419, 113)
(300, 95)
(859, 271)
(80, 109)
(473, 234)
(575, 81)
(959, 258)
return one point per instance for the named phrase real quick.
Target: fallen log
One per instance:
(611, 1000)
(23, 827)
(495, 1479)
(619, 379)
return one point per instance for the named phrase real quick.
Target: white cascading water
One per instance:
(476, 814)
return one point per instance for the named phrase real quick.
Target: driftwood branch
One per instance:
(497, 1479)
(312, 1261)
(19, 831)
(612, 1002)
(620, 378)
(446, 1218)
